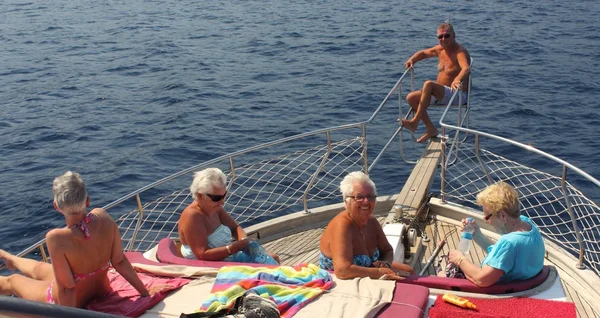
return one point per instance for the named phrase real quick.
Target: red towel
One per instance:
(505, 308)
(124, 300)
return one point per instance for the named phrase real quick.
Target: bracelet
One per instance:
(228, 249)
(460, 261)
(385, 264)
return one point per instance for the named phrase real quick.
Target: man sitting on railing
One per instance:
(453, 68)
(517, 255)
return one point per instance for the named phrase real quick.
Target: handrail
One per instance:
(136, 193)
(530, 148)
(521, 145)
(260, 146)
(233, 154)
(387, 97)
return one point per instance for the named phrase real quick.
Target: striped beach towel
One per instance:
(289, 287)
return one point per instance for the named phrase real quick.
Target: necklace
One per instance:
(362, 233)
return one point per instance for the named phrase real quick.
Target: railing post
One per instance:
(443, 181)
(365, 159)
(314, 177)
(43, 252)
(232, 169)
(579, 264)
(139, 221)
(487, 174)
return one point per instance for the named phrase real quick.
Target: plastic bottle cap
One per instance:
(470, 219)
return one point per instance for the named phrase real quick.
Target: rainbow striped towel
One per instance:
(290, 288)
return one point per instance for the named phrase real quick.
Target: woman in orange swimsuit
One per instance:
(81, 254)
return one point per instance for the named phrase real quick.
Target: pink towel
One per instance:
(124, 300)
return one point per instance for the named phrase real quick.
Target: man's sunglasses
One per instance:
(444, 36)
(216, 197)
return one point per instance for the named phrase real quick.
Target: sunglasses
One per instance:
(216, 197)
(444, 36)
(362, 197)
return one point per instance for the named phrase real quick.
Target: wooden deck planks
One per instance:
(584, 310)
(303, 247)
(417, 185)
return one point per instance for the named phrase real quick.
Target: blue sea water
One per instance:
(127, 92)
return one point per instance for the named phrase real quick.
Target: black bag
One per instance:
(250, 305)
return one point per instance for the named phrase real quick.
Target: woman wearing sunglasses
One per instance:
(209, 233)
(517, 255)
(353, 244)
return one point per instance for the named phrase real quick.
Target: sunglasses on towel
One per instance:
(216, 197)
(444, 36)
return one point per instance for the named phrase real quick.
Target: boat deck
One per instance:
(303, 247)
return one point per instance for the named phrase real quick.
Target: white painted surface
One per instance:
(393, 233)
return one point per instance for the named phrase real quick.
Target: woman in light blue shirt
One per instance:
(517, 255)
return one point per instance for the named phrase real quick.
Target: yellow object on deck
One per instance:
(458, 301)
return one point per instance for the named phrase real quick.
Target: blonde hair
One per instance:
(500, 197)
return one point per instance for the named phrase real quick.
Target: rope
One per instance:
(259, 191)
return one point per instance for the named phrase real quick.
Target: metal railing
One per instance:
(547, 198)
(141, 211)
(321, 166)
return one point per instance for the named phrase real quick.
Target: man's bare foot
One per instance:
(410, 125)
(427, 135)
(6, 257)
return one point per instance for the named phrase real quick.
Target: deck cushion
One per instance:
(167, 253)
(409, 301)
(464, 285)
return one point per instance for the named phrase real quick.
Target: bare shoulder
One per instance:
(433, 51)
(106, 221)
(57, 236)
(340, 222)
(100, 213)
(437, 49)
(462, 49)
(190, 216)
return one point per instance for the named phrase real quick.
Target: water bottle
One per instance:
(464, 245)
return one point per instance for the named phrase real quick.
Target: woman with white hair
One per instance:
(81, 254)
(209, 233)
(353, 244)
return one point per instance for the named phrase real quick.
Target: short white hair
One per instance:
(70, 193)
(347, 184)
(205, 180)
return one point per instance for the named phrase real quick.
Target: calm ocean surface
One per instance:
(128, 92)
